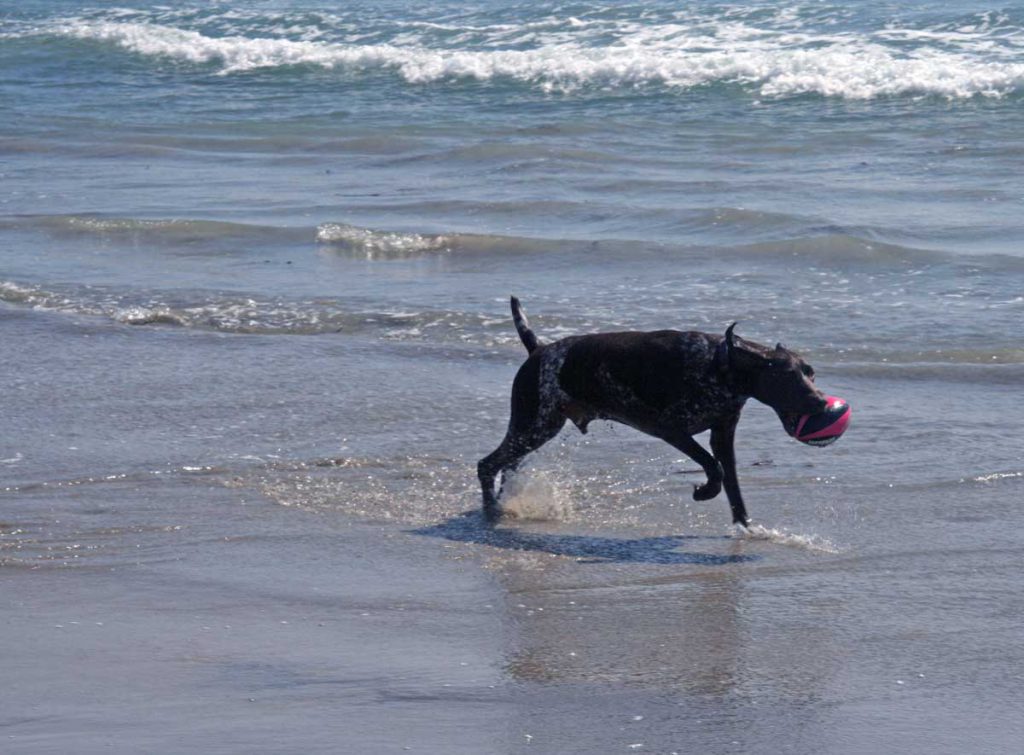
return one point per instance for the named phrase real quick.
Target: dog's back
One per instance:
(635, 377)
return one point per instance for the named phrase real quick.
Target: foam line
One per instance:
(678, 56)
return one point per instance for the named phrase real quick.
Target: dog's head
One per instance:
(777, 377)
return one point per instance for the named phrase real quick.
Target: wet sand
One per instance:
(269, 629)
(252, 631)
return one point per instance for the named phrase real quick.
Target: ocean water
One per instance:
(255, 260)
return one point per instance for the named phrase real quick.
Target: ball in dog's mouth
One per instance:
(822, 428)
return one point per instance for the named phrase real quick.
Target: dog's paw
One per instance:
(707, 491)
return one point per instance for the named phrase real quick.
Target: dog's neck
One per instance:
(722, 366)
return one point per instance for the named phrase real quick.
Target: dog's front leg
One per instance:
(695, 451)
(722, 445)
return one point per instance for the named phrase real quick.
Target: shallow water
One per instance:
(255, 262)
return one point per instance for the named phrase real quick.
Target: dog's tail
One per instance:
(523, 327)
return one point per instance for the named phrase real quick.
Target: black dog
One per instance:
(666, 383)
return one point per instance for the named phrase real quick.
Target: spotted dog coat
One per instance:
(666, 383)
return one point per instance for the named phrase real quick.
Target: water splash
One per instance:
(536, 496)
(813, 543)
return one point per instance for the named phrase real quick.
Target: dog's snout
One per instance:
(817, 404)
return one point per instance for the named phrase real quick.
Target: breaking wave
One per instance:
(379, 243)
(678, 52)
(338, 236)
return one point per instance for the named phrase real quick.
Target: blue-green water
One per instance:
(266, 248)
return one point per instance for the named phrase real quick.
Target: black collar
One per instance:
(722, 361)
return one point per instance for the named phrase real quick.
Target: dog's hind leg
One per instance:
(507, 457)
(488, 469)
(535, 419)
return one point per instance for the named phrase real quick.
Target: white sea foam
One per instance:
(136, 315)
(238, 314)
(774, 62)
(995, 476)
(14, 292)
(36, 298)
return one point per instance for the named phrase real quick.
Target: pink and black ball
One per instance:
(825, 427)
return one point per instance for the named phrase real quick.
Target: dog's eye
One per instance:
(809, 372)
